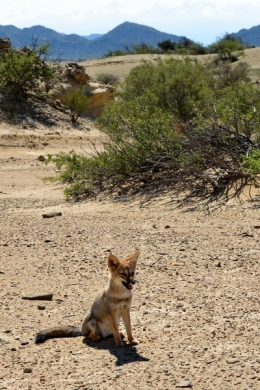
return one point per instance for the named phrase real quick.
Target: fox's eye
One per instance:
(122, 274)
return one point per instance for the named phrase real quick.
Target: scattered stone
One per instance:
(167, 227)
(232, 361)
(52, 215)
(41, 158)
(27, 370)
(41, 307)
(257, 226)
(39, 297)
(2, 272)
(24, 342)
(185, 385)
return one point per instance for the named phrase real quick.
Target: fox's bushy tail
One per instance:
(58, 331)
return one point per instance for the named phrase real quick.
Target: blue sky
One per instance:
(200, 20)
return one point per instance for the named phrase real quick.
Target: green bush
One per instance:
(239, 107)
(228, 48)
(181, 87)
(19, 70)
(171, 127)
(77, 101)
(107, 78)
(251, 162)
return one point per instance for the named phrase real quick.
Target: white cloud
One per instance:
(201, 20)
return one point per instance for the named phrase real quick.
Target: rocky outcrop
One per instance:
(74, 78)
(5, 43)
(71, 77)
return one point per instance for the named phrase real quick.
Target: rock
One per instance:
(41, 158)
(24, 342)
(185, 385)
(98, 94)
(52, 214)
(98, 99)
(5, 43)
(41, 307)
(27, 370)
(232, 361)
(2, 272)
(39, 297)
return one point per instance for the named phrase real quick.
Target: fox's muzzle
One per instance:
(129, 285)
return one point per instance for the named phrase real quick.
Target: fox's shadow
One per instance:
(124, 355)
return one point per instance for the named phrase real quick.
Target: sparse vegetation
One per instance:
(21, 70)
(77, 101)
(107, 78)
(228, 48)
(174, 125)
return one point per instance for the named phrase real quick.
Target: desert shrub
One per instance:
(77, 101)
(239, 108)
(251, 162)
(19, 70)
(182, 88)
(171, 127)
(107, 78)
(228, 48)
(167, 45)
(228, 74)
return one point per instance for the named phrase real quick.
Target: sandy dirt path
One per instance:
(196, 301)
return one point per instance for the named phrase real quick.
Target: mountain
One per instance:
(249, 36)
(92, 36)
(130, 33)
(75, 47)
(67, 46)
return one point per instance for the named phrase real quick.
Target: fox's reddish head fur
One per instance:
(123, 271)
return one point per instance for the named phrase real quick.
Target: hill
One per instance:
(92, 36)
(75, 47)
(249, 36)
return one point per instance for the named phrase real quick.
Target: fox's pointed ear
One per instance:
(112, 261)
(133, 259)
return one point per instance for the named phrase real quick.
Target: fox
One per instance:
(111, 305)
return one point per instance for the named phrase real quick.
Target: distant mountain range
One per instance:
(249, 36)
(92, 36)
(76, 47)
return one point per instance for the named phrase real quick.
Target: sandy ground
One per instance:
(196, 301)
(120, 66)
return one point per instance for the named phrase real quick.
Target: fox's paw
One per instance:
(133, 342)
(119, 343)
(94, 337)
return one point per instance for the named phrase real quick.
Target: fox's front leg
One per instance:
(127, 323)
(115, 330)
